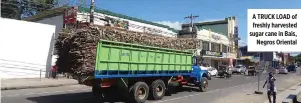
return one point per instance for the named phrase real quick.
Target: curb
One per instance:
(38, 86)
(293, 97)
(293, 90)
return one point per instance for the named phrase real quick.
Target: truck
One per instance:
(140, 72)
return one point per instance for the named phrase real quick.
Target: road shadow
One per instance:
(85, 97)
(188, 89)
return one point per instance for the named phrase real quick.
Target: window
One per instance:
(230, 49)
(218, 48)
(205, 45)
(215, 47)
(224, 49)
(212, 47)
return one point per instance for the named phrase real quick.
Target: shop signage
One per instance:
(215, 37)
(236, 35)
(70, 15)
(210, 53)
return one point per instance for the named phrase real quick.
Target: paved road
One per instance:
(82, 94)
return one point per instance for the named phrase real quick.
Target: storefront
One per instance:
(215, 59)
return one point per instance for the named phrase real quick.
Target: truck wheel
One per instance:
(139, 92)
(203, 86)
(157, 89)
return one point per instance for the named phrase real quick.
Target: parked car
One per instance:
(212, 71)
(239, 69)
(283, 70)
(291, 68)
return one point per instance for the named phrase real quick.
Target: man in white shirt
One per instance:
(271, 87)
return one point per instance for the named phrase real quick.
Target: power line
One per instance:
(191, 17)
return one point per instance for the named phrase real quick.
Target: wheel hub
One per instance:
(159, 90)
(141, 93)
(205, 84)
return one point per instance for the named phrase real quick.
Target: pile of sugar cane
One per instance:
(77, 48)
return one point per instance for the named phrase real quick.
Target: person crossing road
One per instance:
(271, 87)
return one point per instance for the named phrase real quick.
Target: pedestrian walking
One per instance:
(271, 87)
(54, 72)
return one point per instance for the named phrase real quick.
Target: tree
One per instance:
(17, 9)
(297, 58)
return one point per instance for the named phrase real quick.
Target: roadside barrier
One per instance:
(293, 98)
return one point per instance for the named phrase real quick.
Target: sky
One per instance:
(172, 12)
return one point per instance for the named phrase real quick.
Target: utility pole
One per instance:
(191, 17)
(92, 12)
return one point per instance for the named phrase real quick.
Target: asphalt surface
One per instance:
(82, 94)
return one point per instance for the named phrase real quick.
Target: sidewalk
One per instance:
(246, 94)
(292, 90)
(13, 84)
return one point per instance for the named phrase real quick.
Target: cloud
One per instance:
(175, 25)
(242, 43)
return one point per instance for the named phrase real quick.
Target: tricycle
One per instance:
(223, 72)
(251, 71)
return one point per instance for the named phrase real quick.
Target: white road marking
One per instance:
(72, 90)
(236, 75)
(172, 99)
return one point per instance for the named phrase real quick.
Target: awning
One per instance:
(251, 58)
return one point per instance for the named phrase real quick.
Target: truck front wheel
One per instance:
(157, 89)
(139, 92)
(203, 85)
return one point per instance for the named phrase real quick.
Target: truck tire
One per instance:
(157, 89)
(139, 92)
(203, 85)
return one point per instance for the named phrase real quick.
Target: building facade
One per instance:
(218, 43)
(58, 18)
(105, 17)
(275, 58)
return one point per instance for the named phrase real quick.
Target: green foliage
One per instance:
(17, 9)
(298, 58)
